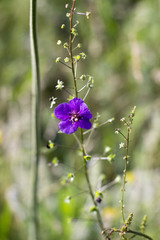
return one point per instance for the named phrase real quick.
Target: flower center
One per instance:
(74, 117)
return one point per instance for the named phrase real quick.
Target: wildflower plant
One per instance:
(76, 119)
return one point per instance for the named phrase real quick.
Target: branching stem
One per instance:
(132, 232)
(99, 218)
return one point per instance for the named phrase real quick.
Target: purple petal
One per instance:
(84, 123)
(75, 104)
(68, 127)
(84, 111)
(62, 111)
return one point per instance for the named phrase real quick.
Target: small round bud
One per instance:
(88, 14)
(68, 15)
(103, 232)
(59, 42)
(50, 144)
(65, 45)
(83, 55)
(62, 26)
(117, 130)
(98, 199)
(66, 60)
(77, 57)
(111, 120)
(74, 32)
(67, 5)
(123, 119)
(79, 45)
(83, 77)
(58, 59)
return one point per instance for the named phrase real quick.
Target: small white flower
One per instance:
(68, 15)
(66, 60)
(53, 101)
(59, 42)
(123, 119)
(107, 149)
(59, 85)
(111, 120)
(121, 145)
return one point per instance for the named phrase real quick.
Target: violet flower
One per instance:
(73, 115)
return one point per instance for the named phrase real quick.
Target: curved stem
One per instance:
(134, 232)
(140, 234)
(35, 110)
(70, 48)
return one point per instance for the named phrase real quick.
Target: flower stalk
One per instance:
(99, 218)
(70, 48)
(35, 111)
(125, 175)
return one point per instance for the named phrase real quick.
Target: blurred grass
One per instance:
(122, 44)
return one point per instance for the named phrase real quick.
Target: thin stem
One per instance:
(89, 137)
(35, 110)
(79, 13)
(76, 138)
(140, 234)
(134, 232)
(124, 176)
(70, 48)
(76, 63)
(99, 218)
(123, 135)
(87, 93)
(103, 188)
(100, 125)
(65, 64)
(67, 91)
(82, 88)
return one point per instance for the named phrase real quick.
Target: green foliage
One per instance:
(5, 222)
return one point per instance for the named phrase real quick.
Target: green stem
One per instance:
(134, 232)
(35, 110)
(99, 218)
(124, 177)
(140, 234)
(70, 48)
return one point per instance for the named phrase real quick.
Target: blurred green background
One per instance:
(121, 40)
